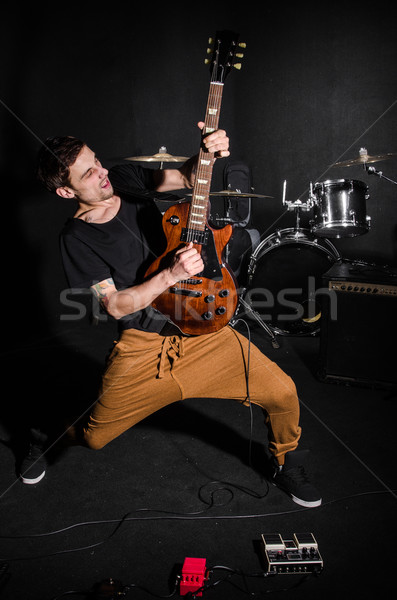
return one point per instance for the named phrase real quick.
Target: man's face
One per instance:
(88, 179)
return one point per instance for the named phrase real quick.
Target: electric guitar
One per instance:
(206, 302)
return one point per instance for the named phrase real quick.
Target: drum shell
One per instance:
(340, 208)
(284, 280)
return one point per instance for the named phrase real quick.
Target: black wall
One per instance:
(316, 85)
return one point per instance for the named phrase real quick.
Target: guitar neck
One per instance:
(199, 208)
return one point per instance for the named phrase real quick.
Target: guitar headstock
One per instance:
(224, 49)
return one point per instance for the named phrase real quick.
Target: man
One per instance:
(107, 246)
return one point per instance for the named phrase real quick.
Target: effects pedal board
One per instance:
(297, 556)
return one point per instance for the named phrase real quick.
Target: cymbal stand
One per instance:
(373, 171)
(241, 302)
(252, 313)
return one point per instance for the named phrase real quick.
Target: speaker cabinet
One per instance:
(358, 330)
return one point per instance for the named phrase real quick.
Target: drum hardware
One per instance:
(373, 171)
(237, 194)
(251, 312)
(298, 206)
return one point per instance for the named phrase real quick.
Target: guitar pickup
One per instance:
(185, 292)
(192, 281)
(194, 235)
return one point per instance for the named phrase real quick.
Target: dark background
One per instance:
(317, 83)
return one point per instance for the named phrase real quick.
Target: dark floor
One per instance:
(134, 510)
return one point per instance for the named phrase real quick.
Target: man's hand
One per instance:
(119, 303)
(186, 263)
(216, 142)
(167, 180)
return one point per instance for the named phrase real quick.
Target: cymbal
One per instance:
(363, 159)
(161, 156)
(234, 194)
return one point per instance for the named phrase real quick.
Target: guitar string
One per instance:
(202, 174)
(204, 171)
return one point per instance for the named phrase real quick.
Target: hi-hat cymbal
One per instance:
(234, 194)
(363, 159)
(161, 156)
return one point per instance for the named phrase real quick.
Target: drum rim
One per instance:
(333, 181)
(310, 239)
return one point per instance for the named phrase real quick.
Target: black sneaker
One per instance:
(292, 479)
(33, 466)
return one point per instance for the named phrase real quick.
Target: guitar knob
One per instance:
(207, 316)
(220, 310)
(174, 220)
(224, 293)
(209, 298)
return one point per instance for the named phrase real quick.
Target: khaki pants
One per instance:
(147, 371)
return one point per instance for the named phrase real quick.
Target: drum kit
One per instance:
(285, 269)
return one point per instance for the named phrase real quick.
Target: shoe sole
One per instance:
(32, 481)
(306, 503)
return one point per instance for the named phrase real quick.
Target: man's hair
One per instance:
(54, 160)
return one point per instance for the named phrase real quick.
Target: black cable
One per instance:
(208, 585)
(71, 593)
(248, 398)
(172, 515)
(174, 591)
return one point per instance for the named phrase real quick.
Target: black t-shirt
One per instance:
(122, 248)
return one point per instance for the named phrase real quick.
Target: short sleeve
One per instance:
(128, 178)
(81, 274)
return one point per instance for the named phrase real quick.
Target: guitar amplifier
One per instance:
(359, 325)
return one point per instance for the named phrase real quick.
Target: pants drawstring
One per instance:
(171, 348)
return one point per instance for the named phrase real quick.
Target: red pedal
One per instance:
(193, 575)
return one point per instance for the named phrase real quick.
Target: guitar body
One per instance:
(204, 303)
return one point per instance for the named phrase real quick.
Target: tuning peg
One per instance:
(242, 45)
(207, 61)
(237, 66)
(239, 55)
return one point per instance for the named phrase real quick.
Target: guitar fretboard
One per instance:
(200, 198)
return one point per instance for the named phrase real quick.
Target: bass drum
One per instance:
(284, 280)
